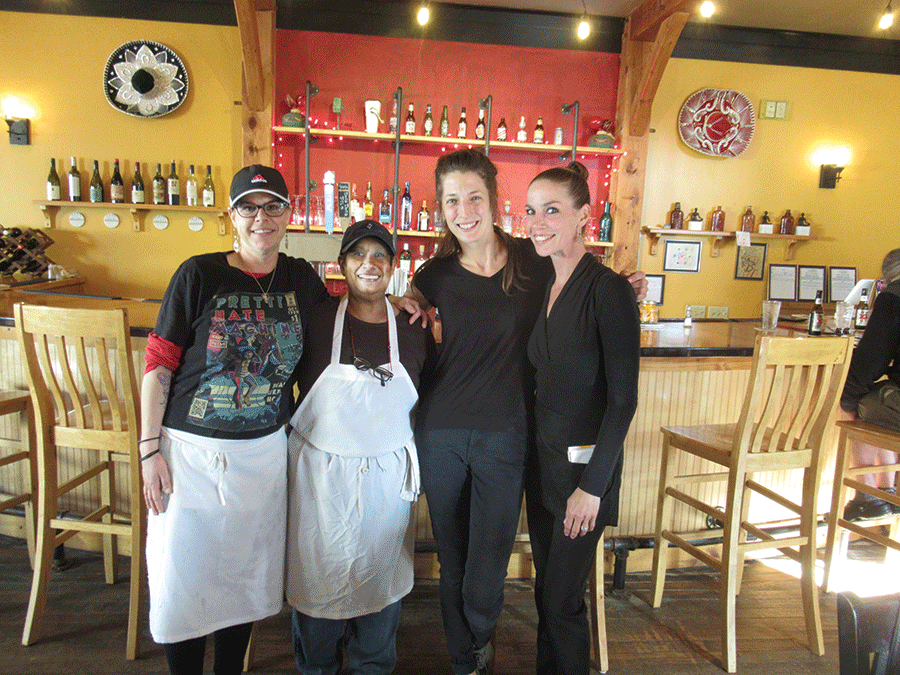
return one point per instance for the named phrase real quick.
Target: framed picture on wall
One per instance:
(810, 280)
(782, 282)
(656, 286)
(750, 262)
(841, 281)
(682, 256)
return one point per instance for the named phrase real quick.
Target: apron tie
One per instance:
(219, 463)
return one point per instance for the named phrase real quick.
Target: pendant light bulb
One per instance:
(707, 9)
(424, 15)
(887, 19)
(584, 29)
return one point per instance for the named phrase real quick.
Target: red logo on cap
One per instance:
(258, 178)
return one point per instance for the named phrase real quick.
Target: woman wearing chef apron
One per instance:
(215, 398)
(353, 472)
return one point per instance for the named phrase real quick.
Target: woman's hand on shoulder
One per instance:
(414, 303)
(581, 514)
(157, 481)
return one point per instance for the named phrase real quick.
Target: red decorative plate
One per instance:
(717, 122)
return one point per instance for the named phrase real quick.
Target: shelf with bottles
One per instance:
(654, 234)
(138, 211)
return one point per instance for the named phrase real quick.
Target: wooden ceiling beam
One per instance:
(246, 10)
(649, 16)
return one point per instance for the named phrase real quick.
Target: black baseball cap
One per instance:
(367, 228)
(258, 178)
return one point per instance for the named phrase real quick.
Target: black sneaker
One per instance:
(866, 507)
(484, 659)
(892, 491)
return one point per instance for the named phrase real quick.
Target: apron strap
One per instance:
(338, 335)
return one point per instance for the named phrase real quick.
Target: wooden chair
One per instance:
(84, 394)
(787, 410)
(845, 477)
(19, 403)
(597, 590)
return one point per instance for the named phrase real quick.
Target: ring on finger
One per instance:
(584, 528)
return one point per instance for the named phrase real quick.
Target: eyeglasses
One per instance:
(383, 374)
(249, 210)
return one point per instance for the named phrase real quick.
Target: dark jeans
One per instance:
(370, 640)
(562, 566)
(473, 481)
(186, 658)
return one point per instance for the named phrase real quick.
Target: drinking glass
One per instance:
(770, 311)
(843, 318)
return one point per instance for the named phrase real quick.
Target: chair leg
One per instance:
(599, 649)
(730, 557)
(251, 648)
(44, 546)
(110, 541)
(29, 480)
(136, 598)
(838, 495)
(664, 508)
(742, 533)
(809, 591)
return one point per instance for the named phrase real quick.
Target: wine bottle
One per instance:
(96, 187)
(159, 187)
(606, 224)
(116, 185)
(137, 186)
(717, 220)
(54, 192)
(463, 125)
(354, 206)
(677, 217)
(539, 131)
(406, 259)
(406, 209)
(368, 205)
(428, 124)
(410, 128)
(445, 124)
(501, 130)
(190, 188)
(419, 259)
(384, 210)
(522, 135)
(173, 187)
(861, 315)
(209, 189)
(787, 223)
(816, 316)
(479, 127)
(748, 220)
(423, 218)
(74, 183)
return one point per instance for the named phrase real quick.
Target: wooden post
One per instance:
(256, 23)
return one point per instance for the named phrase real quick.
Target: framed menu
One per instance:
(782, 282)
(841, 281)
(810, 280)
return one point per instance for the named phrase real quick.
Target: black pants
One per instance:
(473, 481)
(562, 566)
(186, 658)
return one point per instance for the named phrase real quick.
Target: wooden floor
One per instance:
(85, 626)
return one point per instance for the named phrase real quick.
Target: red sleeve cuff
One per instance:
(161, 352)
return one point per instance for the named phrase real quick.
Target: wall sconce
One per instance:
(829, 175)
(17, 114)
(831, 162)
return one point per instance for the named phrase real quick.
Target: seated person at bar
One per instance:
(872, 399)
(353, 470)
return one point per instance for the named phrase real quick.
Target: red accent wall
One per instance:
(523, 81)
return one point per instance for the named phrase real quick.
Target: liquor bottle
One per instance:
(419, 260)
(95, 192)
(463, 125)
(748, 220)
(159, 187)
(676, 220)
(406, 209)
(816, 316)
(522, 135)
(54, 193)
(445, 124)
(116, 185)
(438, 220)
(422, 221)
(428, 124)
(787, 223)
(861, 316)
(479, 127)
(695, 224)
(137, 186)
(539, 131)
(410, 127)
(393, 121)
(506, 219)
(354, 206)
(190, 188)
(406, 259)
(74, 183)
(384, 209)
(173, 187)
(501, 130)
(606, 224)
(717, 220)
(209, 189)
(368, 205)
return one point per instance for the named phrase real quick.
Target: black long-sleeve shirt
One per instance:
(878, 351)
(586, 353)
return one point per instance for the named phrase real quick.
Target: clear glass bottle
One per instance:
(54, 190)
(190, 188)
(137, 186)
(74, 177)
(423, 220)
(209, 188)
(522, 135)
(406, 209)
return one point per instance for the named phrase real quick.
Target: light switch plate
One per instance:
(717, 312)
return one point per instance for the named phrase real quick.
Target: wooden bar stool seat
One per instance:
(846, 477)
(84, 395)
(19, 403)
(788, 407)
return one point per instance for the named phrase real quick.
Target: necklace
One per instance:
(265, 291)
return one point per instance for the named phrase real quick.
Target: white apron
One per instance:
(352, 479)
(215, 556)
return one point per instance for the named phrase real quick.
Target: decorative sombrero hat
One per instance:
(145, 79)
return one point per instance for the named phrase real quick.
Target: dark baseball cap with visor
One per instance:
(258, 178)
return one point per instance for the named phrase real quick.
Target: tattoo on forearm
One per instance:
(165, 381)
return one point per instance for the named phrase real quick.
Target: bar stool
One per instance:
(845, 477)
(84, 394)
(19, 403)
(788, 408)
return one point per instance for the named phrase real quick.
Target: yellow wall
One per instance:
(73, 118)
(856, 223)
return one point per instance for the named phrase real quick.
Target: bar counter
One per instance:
(695, 375)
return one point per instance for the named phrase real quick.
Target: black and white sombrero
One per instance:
(145, 79)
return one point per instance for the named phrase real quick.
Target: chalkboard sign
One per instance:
(343, 196)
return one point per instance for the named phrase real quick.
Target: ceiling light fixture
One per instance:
(424, 14)
(887, 19)
(584, 26)
(707, 9)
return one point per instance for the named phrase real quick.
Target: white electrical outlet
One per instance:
(768, 110)
(780, 110)
(717, 312)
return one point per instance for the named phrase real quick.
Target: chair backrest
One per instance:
(793, 390)
(81, 375)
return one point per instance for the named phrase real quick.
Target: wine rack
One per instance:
(23, 251)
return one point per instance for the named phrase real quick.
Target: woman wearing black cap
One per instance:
(353, 471)
(215, 397)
